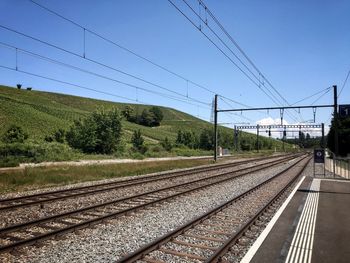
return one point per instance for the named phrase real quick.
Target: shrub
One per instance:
(14, 153)
(19, 86)
(100, 132)
(166, 144)
(138, 142)
(14, 134)
(157, 115)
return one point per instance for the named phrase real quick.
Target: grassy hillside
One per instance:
(40, 113)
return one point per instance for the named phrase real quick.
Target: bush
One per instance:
(15, 153)
(14, 134)
(100, 132)
(150, 118)
(157, 115)
(343, 136)
(138, 142)
(57, 136)
(166, 144)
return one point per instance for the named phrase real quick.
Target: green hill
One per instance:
(41, 113)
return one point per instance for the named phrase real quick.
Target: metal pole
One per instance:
(322, 139)
(235, 138)
(336, 148)
(215, 128)
(257, 138)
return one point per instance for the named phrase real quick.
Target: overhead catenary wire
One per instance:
(231, 51)
(96, 62)
(81, 86)
(313, 95)
(224, 53)
(108, 40)
(240, 49)
(57, 62)
(346, 79)
(220, 49)
(245, 55)
(93, 32)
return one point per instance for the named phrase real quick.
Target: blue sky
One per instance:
(302, 47)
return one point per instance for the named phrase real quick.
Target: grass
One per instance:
(41, 177)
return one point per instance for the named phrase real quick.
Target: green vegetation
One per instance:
(305, 141)
(39, 177)
(14, 134)
(149, 117)
(41, 126)
(100, 132)
(343, 136)
(138, 142)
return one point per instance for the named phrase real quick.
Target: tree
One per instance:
(146, 118)
(206, 140)
(128, 113)
(343, 136)
(179, 137)
(100, 132)
(59, 135)
(138, 142)
(166, 144)
(19, 86)
(157, 115)
(14, 134)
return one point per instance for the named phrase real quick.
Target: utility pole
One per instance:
(215, 128)
(257, 138)
(322, 139)
(235, 134)
(335, 119)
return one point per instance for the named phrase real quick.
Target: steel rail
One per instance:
(99, 218)
(155, 245)
(92, 189)
(216, 257)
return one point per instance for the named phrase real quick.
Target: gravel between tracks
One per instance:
(24, 214)
(108, 242)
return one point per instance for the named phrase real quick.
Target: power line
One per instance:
(346, 79)
(123, 47)
(98, 63)
(231, 51)
(223, 52)
(220, 49)
(92, 73)
(67, 83)
(84, 87)
(313, 95)
(239, 48)
(243, 53)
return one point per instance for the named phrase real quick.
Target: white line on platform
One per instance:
(254, 248)
(302, 243)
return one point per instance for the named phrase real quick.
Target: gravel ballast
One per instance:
(109, 242)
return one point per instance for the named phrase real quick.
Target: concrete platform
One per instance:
(313, 227)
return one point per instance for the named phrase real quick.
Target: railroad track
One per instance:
(31, 232)
(224, 232)
(41, 198)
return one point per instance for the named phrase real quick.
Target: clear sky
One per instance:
(302, 47)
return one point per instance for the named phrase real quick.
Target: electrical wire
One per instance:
(313, 95)
(242, 52)
(95, 74)
(231, 51)
(346, 79)
(227, 56)
(127, 49)
(97, 62)
(123, 47)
